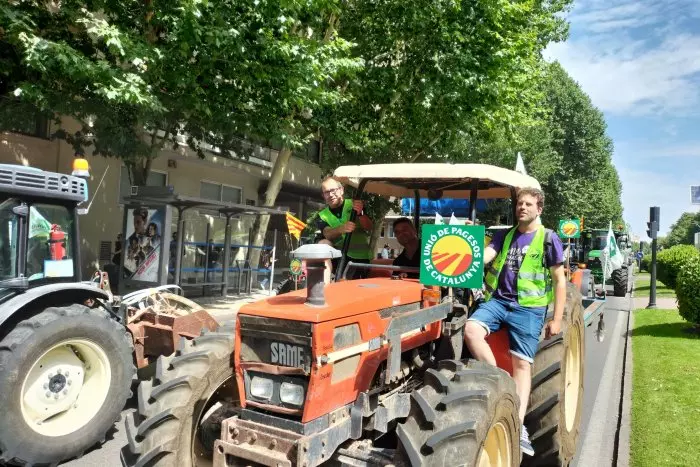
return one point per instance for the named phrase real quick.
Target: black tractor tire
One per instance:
(559, 365)
(460, 403)
(66, 337)
(171, 405)
(619, 280)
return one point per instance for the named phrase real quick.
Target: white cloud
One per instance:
(630, 60)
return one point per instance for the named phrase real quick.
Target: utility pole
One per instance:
(652, 232)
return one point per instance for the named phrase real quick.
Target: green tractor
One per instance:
(590, 246)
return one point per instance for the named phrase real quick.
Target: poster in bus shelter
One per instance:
(144, 229)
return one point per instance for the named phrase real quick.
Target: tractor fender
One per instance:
(48, 295)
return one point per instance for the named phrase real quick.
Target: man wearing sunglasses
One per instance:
(334, 223)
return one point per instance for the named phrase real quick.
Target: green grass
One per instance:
(665, 390)
(641, 286)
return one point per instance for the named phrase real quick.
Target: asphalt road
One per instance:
(602, 387)
(600, 400)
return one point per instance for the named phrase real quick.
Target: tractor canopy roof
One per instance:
(435, 180)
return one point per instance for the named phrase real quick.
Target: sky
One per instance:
(639, 61)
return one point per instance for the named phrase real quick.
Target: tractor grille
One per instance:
(276, 342)
(19, 180)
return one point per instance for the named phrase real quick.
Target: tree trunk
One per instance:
(273, 189)
(140, 171)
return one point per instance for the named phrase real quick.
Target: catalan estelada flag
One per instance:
(295, 226)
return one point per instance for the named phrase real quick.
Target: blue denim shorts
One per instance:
(524, 324)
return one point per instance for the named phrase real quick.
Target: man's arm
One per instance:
(555, 260)
(489, 254)
(553, 327)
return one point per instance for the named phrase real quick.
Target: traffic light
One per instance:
(654, 220)
(652, 228)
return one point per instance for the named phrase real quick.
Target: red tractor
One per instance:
(364, 372)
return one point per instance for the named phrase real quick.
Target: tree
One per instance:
(586, 183)
(436, 72)
(683, 231)
(211, 72)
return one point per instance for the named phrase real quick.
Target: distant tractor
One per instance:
(592, 243)
(365, 372)
(69, 349)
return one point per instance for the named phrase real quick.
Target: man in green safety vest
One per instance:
(334, 223)
(526, 275)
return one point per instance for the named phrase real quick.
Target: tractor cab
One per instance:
(486, 194)
(39, 234)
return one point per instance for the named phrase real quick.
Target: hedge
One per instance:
(669, 262)
(688, 290)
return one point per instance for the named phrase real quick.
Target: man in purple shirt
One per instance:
(519, 283)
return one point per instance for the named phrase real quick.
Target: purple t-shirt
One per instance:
(507, 281)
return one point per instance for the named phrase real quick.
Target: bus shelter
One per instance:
(147, 228)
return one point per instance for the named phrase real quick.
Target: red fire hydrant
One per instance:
(57, 243)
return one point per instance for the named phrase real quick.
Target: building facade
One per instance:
(241, 180)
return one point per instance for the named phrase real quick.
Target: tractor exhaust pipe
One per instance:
(315, 257)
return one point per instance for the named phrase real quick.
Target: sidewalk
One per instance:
(662, 303)
(226, 308)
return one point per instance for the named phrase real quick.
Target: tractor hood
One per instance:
(343, 299)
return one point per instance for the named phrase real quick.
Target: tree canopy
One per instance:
(212, 71)
(683, 231)
(386, 81)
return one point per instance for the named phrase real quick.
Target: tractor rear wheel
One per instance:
(181, 409)
(556, 398)
(619, 280)
(66, 375)
(465, 414)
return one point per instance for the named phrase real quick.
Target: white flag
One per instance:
(455, 221)
(611, 257)
(438, 219)
(520, 165)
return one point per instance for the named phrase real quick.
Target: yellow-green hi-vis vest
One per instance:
(534, 283)
(359, 241)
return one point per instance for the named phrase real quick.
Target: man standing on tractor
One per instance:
(518, 289)
(334, 222)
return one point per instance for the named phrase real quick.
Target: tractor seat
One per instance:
(380, 272)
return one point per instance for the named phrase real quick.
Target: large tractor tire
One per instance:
(65, 376)
(180, 410)
(619, 280)
(556, 398)
(465, 414)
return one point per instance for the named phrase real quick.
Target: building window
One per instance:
(220, 192)
(24, 118)
(311, 152)
(155, 178)
(389, 230)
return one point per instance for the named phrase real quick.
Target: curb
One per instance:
(623, 445)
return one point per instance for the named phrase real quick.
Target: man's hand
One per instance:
(347, 227)
(552, 328)
(358, 206)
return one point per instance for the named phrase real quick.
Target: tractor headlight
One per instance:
(292, 394)
(261, 387)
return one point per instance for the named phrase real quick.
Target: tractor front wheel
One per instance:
(465, 414)
(181, 409)
(556, 398)
(66, 375)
